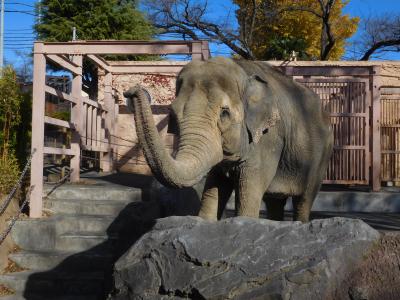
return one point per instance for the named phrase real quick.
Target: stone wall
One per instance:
(161, 86)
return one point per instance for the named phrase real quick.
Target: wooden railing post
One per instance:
(197, 51)
(376, 133)
(77, 120)
(107, 162)
(38, 107)
(205, 50)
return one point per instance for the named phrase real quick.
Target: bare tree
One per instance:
(189, 18)
(380, 34)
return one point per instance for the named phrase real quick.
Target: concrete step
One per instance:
(35, 234)
(44, 260)
(94, 192)
(82, 241)
(52, 282)
(84, 206)
(37, 296)
(78, 222)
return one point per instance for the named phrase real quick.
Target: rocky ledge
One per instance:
(242, 258)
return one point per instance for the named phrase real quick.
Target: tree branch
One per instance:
(379, 45)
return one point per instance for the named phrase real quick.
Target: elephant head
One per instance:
(220, 111)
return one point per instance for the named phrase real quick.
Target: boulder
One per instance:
(241, 258)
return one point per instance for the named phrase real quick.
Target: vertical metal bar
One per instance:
(38, 106)
(376, 137)
(77, 120)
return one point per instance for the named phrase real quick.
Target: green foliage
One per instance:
(61, 115)
(24, 130)
(9, 172)
(10, 103)
(282, 48)
(10, 118)
(93, 19)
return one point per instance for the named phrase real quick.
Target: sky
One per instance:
(19, 34)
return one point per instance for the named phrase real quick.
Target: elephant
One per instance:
(246, 127)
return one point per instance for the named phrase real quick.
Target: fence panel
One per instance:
(390, 135)
(347, 101)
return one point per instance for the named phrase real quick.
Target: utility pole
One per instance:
(2, 36)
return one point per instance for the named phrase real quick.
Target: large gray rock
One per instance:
(241, 258)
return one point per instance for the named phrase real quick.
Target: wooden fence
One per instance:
(365, 116)
(91, 124)
(351, 95)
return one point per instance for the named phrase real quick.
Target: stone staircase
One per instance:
(70, 254)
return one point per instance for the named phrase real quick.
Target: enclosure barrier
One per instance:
(91, 124)
(351, 96)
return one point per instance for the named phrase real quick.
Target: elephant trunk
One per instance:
(197, 150)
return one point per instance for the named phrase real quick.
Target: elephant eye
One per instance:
(225, 113)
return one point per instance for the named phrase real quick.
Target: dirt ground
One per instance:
(378, 276)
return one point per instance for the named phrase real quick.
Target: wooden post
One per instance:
(107, 162)
(376, 133)
(38, 107)
(205, 51)
(197, 51)
(77, 120)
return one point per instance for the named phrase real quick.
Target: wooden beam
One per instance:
(328, 71)
(77, 119)
(101, 148)
(122, 47)
(100, 62)
(107, 161)
(58, 122)
(157, 69)
(93, 103)
(38, 107)
(376, 133)
(65, 63)
(59, 151)
(58, 93)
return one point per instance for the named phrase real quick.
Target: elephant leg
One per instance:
(302, 208)
(302, 204)
(275, 207)
(249, 193)
(217, 190)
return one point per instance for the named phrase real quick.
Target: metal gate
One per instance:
(348, 103)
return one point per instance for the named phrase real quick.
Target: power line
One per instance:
(19, 3)
(19, 33)
(22, 29)
(27, 12)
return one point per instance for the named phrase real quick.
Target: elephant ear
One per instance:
(260, 108)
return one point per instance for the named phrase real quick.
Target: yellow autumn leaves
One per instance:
(285, 19)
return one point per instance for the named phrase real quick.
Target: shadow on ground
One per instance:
(79, 276)
(131, 224)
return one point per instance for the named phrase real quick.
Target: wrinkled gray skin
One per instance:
(247, 127)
